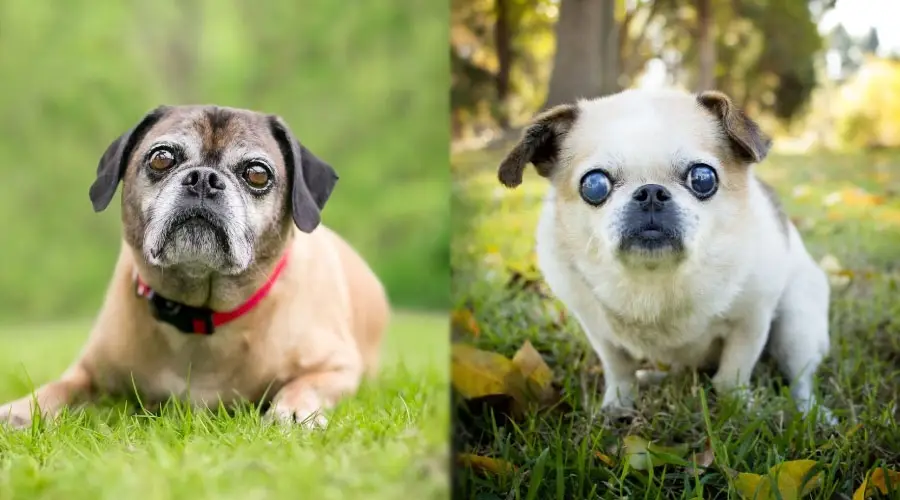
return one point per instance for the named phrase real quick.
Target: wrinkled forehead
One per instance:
(215, 134)
(633, 133)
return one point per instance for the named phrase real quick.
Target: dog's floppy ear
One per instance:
(748, 141)
(114, 161)
(539, 144)
(312, 180)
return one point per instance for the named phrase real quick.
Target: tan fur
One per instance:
(323, 322)
(305, 346)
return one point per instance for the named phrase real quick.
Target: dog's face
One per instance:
(211, 189)
(645, 178)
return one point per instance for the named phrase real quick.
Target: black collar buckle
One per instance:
(187, 319)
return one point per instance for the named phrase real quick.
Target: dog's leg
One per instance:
(741, 351)
(303, 399)
(620, 377)
(799, 340)
(51, 398)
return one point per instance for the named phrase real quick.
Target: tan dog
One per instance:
(227, 288)
(659, 237)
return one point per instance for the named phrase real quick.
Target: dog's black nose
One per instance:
(203, 182)
(651, 196)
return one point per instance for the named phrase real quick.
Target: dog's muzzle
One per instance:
(651, 221)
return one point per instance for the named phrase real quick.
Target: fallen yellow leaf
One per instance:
(476, 373)
(699, 462)
(532, 365)
(463, 320)
(606, 459)
(879, 478)
(787, 477)
(538, 376)
(643, 455)
(748, 486)
(485, 464)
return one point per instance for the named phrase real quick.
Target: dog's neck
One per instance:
(198, 287)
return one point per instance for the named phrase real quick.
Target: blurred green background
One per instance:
(360, 86)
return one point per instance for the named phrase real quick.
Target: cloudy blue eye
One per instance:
(702, 180)
(595, 187)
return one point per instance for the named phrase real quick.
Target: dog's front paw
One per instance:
(309, 418)
(809, 408)
(729, 390)
(617, 411)
(17, 414)
(618, 402)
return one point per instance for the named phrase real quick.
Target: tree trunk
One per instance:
(706, 78)
(503, 42)
(609, 49)
(577, 62)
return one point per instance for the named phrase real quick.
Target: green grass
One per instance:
(388, 441)
(555, 451)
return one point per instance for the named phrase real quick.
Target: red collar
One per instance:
(200, 320)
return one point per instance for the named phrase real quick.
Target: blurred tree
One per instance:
(870, 42)
(503, 43)
(586, 60)
(635, 46)
(785, 70)
(869, 114)
(762, 52)
(706, 41)
(474, 85)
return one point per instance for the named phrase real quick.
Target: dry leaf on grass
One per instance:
(606, 459)
(483, 464)
(643, 455)
(462, 320)
(879, 479)
(699, 462)
(476, 373)
(786, 477)
(538, 376)
(526, 378)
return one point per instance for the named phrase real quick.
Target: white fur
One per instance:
(739, 276)
(242, 214)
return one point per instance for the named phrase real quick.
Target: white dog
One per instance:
(661, 240)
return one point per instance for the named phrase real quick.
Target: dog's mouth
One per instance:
(195, 224)
(651, 237)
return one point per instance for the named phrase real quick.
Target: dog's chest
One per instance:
(685, 341)
(205, 370)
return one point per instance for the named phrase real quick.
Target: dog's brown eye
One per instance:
(257, 176)
(162, 159)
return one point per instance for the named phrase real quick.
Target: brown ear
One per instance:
(312, 182)
(539, 145)
(114, 161)
(748, 141)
